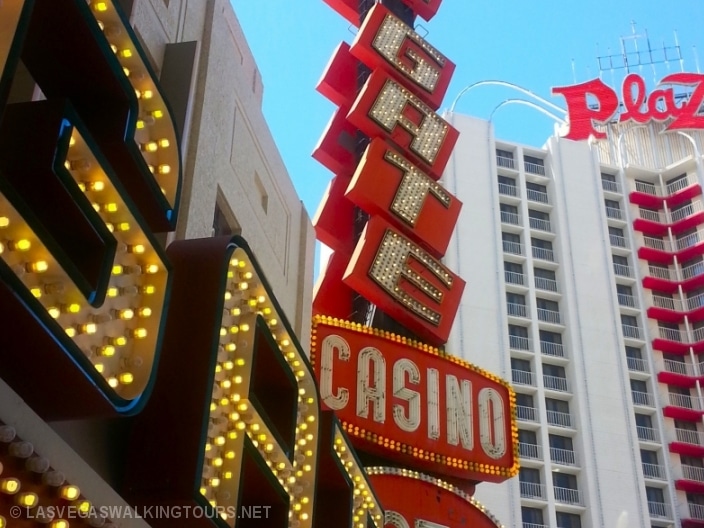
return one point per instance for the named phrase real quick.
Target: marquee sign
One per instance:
(410, 402)
(637, 104)
(414, 499)
(399, 399)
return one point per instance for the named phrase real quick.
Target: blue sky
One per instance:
(530, 43)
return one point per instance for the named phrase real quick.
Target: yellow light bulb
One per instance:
(113, 292)
(164, 143)
(4, 221)
(139, 333)
(126, 53)
(149, 290)
(123, 226)
(73, 308)
(107, 351)
(37, 292)
(126, 314)
(113, 382)
(147, 94)
(151, 146)
(140, 123)
(59, 523)
(151, 269)
(39, 266)
(53, 312)
(137, 249)
(27, 500)
(10, 486)
(69, 492)
(145, 312)
(158, 114)
(101, 6)
(164, 169)
(89, 328)
(71, 332)
(117, 269)
(100, 367)
(111, 207)
(126, 378)
(20, 245)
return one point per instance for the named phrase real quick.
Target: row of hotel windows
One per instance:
(609, 184)
(531, 164)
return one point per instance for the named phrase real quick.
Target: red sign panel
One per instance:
(386, 42)
(385, 108)
(389, 185)
(349, 9)
(413, 499)
(410, 403)
(405, 281)
(639, 106)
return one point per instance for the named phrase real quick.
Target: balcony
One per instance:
(549, 316)
(568, 496)
(657, 243)
(627, 300)
(678, 185)
(671, 334)
(685, 401)
(566, 457)
(534, 525)
(695, 302)
(690, 240)
(653, 471)
(555, 383)
(537, 196)
(693, 270)
(527, 414)
(636, 364)
(690, 437)
(516, 309)
(514, 248)
(685, 211)
(534, 168)
(647, 188)
(510, 218)
(622, 270)
(552, 349)
(532, 490)
(614, 213)
(653, 216)
(618, 241)
(610, 186)
(518, 342)
(531, 451)
(696, 511)
(559, 419)
(659, 510)
(632, 332)
(506, 162)
(667, 303)
(662, 273)
(642, 398)
(542, 283)
(508, 190)
(679, 367)
(522, 377)
(511, 277)
(693, 473)
(539, 224)
(647, 434)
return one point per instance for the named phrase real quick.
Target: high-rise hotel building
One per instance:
(585, 287)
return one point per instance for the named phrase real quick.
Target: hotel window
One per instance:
(521, 372)
(511, 243)
(518, 337)
(513, 273)
(634, 358)
(651, 467)
(625, 296)
(554, 371)
(536, 192)
(680, 397)
(507, 186)
(616, 237)
(504, 158)
(509, 214)
(678, 182)
(531, 517)
(539, 220)
(534, 165)
(608, 182)
(613, 209)
(564, 480)
(516, 304)
(656, 502)
(568, 520)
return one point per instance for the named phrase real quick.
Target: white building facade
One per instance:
(584, 287)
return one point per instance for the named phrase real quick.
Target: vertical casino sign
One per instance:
(400, 399)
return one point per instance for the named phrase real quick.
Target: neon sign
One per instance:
(638, 105)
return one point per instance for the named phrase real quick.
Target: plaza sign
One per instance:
(594, 103)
